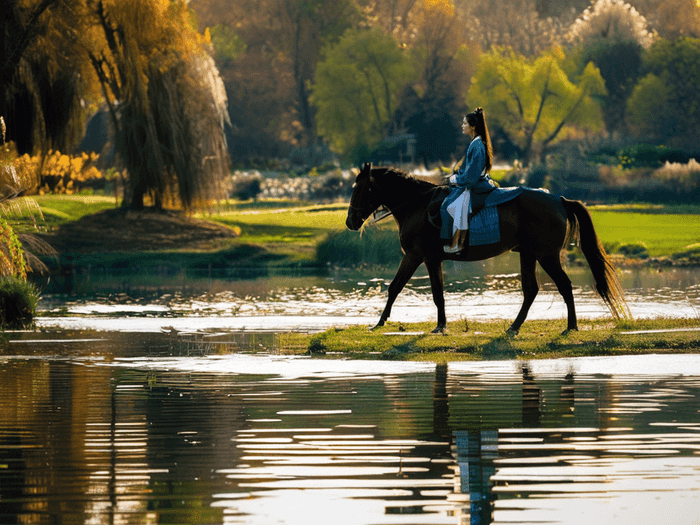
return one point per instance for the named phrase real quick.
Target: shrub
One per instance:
(682, 179)
(246, 188)
(59, 173)
(348, 248)
(649, 155)
(18, 300)
(634, 251)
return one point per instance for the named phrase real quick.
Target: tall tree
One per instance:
(519, 24)
(664, 103)
(356, 90)
(432, 107)
(534, 100)
(671, 19)
(283, 41)
(613, 35)
(166, 99)
(44, 80)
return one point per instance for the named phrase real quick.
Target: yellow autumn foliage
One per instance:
(58, 173)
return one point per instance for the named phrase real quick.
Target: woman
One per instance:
(473, 175)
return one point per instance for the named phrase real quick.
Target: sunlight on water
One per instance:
(102, 433)
(314, 304)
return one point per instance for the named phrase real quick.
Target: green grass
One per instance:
(480, 341)
(663, 230)
(18, 300)
(293, 230)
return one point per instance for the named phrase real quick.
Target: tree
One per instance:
(44, 78)
(519, 24)
(612, 35)
(664, 104)
(356, 89)
(270, 80)
(432, 108)
(166, 99)
(534, 101)
(671, 19)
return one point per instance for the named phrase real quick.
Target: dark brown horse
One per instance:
(536, 224)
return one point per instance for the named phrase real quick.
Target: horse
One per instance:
(536, 224)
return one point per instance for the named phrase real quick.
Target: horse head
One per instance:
(364, 199)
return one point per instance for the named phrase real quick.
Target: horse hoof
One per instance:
(511, 332)
(438, 330)
(568, 331)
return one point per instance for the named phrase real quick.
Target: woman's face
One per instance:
(467, 129)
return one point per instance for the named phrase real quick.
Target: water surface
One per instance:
(475, 291)
(122, 429)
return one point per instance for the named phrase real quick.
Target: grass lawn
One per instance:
(294, 229)
(663, 230)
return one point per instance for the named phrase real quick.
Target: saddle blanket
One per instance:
(484, 227)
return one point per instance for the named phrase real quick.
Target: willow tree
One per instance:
(44, 77)
(166, 100)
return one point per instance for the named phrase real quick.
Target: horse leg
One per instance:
(406, 270)
(530, 286)
(437, 284)
(552, 265)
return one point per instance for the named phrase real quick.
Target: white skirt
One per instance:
(459, 210)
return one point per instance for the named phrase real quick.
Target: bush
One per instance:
(348, 248)
(18, 300)
(246, 188)
(651, 156)
(59, 173)
(634, 251)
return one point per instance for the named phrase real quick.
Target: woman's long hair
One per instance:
(478, 122)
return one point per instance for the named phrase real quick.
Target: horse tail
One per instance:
(607, 284)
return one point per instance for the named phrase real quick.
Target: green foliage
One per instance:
(649, 155)
(12, 261)
(666, 102)
(373, 246)
(356, 89)
(228, 45)
(18, 300)
(534, 100)
(620, 66)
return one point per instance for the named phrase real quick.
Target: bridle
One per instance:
(395, 208)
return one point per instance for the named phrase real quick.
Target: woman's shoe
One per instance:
(452, 249)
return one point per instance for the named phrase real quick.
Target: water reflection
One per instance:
(106, 435)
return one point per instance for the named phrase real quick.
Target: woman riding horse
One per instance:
(473, 176)
(536, 224)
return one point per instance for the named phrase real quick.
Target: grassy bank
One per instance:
(488, 341)
(290, 233)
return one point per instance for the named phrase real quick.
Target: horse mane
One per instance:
(404, 179)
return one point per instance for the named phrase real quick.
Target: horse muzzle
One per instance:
(354, 222)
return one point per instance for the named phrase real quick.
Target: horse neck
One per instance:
(402, 194)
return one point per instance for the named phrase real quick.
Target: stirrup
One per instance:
(452, 249)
